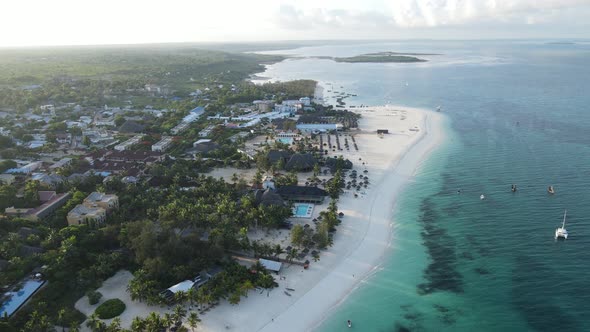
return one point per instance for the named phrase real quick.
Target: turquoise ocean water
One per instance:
(518, 113)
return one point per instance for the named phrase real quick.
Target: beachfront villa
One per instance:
(302, 194)
(273, 266)
(319, 127)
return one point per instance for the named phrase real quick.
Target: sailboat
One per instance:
(561, 232)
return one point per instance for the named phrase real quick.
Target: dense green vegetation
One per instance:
(89, 75)
(110, 309)
(175, 223)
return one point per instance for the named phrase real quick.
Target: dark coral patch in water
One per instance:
(441, 274)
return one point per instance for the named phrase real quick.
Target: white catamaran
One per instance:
(561, 232)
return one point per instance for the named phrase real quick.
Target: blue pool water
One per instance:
(16, 299)
(303, 210)
(285, 140)
(519, 114)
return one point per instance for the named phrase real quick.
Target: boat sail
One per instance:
(561, 232)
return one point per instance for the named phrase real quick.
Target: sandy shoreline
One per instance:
(361, 239)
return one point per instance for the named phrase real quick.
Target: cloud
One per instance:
(390, 14)
(432, 13)
(291, 17)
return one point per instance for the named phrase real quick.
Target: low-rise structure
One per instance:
(207, 131)
(302, 194)
(50, 202)
(129, 143)
(163, 144)
(61, 163)
(93, 210)
(318, 127)
(105, 201)
(87, 215)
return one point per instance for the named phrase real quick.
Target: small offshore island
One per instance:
(381, 57)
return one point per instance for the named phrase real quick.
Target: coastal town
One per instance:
(134, 216)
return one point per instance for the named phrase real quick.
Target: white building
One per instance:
(306, 101)
(311, 127)
(204, 140)
(207, 131)
(129, 143)
(163, 144)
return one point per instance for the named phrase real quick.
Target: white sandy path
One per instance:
(361, 239)
(116, 288)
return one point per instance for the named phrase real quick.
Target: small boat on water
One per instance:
(561, 232)
(482, 197)
(551, 190)
(349, 323)
(513, 188)
(438, 108)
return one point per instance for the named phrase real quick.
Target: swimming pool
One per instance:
(285, 140)
(16, 299)
(302, 210)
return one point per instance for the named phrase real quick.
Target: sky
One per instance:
(86, 22)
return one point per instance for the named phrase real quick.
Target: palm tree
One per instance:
(153, 323)
(192, 295)
(179, 313)
(193, 320)
(138, 325)
(278, 250)
(115, 325)
(95, 324)
(60, 319)
(180, 297)
(167, 320)
(291, 254)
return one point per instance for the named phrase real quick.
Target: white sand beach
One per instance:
(360, 241)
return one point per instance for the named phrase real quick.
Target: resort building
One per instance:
(129, 143)
(93, 210)
(273, 266)
(301, 162)
(50, 202)
(263, 105)
(302, 194)
(319, 127)
(163, 144)
(207, 131)
(306, 101)
(107, 202)
(193, 116)
(240, 135)
(87, 215)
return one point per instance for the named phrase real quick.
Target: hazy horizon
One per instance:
(33, 23)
